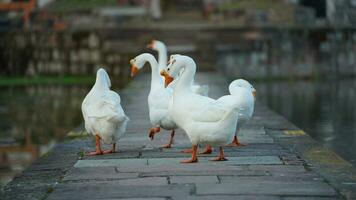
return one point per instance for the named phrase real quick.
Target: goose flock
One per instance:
(174, 101)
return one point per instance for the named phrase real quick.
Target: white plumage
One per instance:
(102, 112)
(242, 97)
(205, 120)
(158, 97)
(161, 48)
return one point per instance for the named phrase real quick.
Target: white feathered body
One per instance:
(158, 100)
(205, 120)
(243, 100)
(103, 114)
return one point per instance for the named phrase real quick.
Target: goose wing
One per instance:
(204, 109)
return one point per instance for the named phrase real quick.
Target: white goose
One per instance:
(161, 48)
(205, 120)
(158, 97)
(103, 114)
(243, 96)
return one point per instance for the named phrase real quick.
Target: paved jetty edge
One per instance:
(280, 162)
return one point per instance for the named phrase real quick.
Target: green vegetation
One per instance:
(254, 4)
(79, 5)
(46, 80)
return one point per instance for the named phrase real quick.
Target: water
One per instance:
(325, 110)
(32, 120)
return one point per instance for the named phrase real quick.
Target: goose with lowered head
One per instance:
(205, 120)
(103, 114)
(158, 97)
(242, 97)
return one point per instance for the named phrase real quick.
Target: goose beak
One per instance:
(254, 93)
(167, 78)
(150, 45)
(134, 69)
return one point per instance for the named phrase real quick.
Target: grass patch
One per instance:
(46, 80)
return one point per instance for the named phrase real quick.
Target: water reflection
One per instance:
(326, 110)
(33, 118)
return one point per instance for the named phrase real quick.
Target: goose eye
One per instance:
(168, 69)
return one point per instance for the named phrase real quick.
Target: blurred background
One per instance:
(299, 54)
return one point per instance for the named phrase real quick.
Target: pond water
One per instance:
(325, 110)
(33, 119)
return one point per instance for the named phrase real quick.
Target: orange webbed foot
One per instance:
(167, 146)
(108, 151)
(189, 161)
(221, 156)
(236, 143)
(194, 157)
(94, 153)
(208, 150)
(219, 159)
(153, 131)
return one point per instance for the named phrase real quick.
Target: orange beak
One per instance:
(134, 69)
(254, 93)
(167, 78)
(150, 45)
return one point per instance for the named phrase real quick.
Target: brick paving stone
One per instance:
(256, 186)
(96, 173)
(151, 181)
(254, 160)
(193, 179)
(112, 189)
(311, 198)
(194, 168)
(233, 197)
(111, 162)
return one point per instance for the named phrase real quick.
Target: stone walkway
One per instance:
(265, 169)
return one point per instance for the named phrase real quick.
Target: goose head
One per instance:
(102, 78)
(241, 83)
(155, 45)
(173, 69)
(137, 63)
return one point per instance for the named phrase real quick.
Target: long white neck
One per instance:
(156, 79)
(186, 78)
(162, 57)
(102, 82)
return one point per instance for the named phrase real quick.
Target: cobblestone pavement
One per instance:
(267, 168)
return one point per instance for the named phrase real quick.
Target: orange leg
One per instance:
(112, 150)
(97, 146)
(169, 145)
(194, 155)
(208, 150)
(221, 156)
(236, 143)
(153, 131)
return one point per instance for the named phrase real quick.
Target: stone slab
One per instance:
(111, 162)
(111, 190)
(233, 197)
(96, 173)
(258, 186)
(193, 179)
